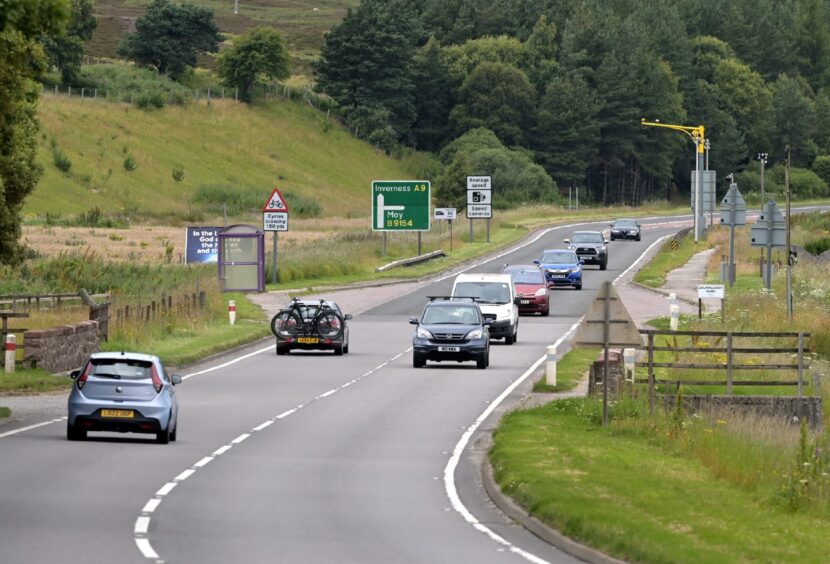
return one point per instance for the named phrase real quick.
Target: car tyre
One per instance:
(603, 265)
(174, 434)
(578, 286)
(282, 349)
(484, 361)
(338, 349)
(346, 349)
(546, 311)
(163, 436)
(74, 434)
(637, 238)
(418, 361)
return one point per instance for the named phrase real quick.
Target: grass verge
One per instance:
(30, 382)
(624, 491)
(5, 412)
(654, 273)
(569, 371)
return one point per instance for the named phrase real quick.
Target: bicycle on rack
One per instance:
(309, 324)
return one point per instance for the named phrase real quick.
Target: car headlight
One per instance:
(475, 334)
(540, 292)
(574, 270)
(422, 333)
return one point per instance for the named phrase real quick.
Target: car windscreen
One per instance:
(121, 369)
(486, 292)
(625, 224)
(450, 314)
(559, 257)
(526, 275)
(587, 238)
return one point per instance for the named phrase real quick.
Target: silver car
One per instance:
(123, 392)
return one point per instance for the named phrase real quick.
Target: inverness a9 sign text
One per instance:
(400, 205)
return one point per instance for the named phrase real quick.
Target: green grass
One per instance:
(654, 273)
(569, 370)
(627, 494)
(30, 382)
(5, 412)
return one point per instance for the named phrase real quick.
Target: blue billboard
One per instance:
(202, 244)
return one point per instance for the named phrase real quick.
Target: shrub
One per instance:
(151, 101)
(129, 163)
(804, 183)
(131, 83)
(821, 166)
(178, 173)
(59, 158)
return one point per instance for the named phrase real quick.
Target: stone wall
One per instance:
(791, 409)
(61, 348)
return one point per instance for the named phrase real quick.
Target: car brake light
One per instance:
(157, 383)
(84, 375)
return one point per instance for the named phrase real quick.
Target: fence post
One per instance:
(232, 312)
(729, 363)
(651, 373)
(800, 364)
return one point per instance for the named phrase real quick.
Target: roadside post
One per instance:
(275, 219)
(550, 365)
(479, 201)
(11, 352)
(400, 205)
(674, 317)
(732, 213)
(629, 361)
(445, 214)
(711, 291)
(232, 312)
(607, 324)
(769, 231)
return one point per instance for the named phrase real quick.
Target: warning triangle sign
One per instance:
(276, 203)
(622, 331)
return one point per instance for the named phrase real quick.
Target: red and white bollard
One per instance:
(11, 352)
(232, 311)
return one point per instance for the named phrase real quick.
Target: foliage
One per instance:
(236, 200)
(169, 37)
(804, 183)
(66, 51)
(21, 61)
(821, 166)
(129, 83)
(259, 55)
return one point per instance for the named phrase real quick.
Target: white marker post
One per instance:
(629, 358)
(11, 352)
(675, 317)
(232, 311)
(550, 366)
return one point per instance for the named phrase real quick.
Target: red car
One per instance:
(531, 288)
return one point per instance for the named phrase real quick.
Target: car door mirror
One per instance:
(488, 321)
(74, 374)
(175, 379)
(537, 262)
(413, 321)
(567, 241)
(348, 317)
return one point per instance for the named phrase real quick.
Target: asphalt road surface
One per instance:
(302, 458)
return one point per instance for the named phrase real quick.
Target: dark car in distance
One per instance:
(625, 229)
(451, 329)
(531, 288)
(590, 247)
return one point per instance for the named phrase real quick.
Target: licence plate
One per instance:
(524, 302)
(559, 276)
(119, 413)
(308, 340)
(449, 349)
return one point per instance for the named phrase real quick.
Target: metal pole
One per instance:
(274, 258)
(768, 265)
(698, 188)
(789, 261)
(419, 243)
(471, 231)
(570, 197)
(450, 235)
(606, 336)
(712, 203)
(384, 244)
(763, 162)
(731, 267)
(488, 229)
(577, 198)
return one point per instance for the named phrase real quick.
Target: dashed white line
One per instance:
(30, 427)
(285, 414)
(145, 548)
(166, 488)
(262, 426)
(221, 450)
(141, 525)
(327, 394)
(184, 475)
(240, 438)
(203, 462)
(151, 505)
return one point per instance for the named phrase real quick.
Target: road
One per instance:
(302, 458)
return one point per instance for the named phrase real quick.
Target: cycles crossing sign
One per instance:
(400, 205)
(275, 213)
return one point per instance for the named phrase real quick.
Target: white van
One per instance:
(496, 297)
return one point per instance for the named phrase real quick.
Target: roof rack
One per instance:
(451, 298)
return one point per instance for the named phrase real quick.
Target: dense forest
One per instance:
(549, 94)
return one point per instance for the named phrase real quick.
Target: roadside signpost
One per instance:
(770, 230)
(732, 213)
(711, 291)
(400, 205)
(275, 219)
(479, 201)
(448, 215)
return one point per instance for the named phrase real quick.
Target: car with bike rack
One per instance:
(311, 325)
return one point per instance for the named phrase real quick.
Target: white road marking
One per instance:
(151, 505)
(229, 363)
(141, 525)
(30, 427)
(184, 475)
(203, 462)
(145, 548)
(636, 262)
(240, 438)
(285, 414)
(262, 426)
(327, 394)
(221, 450)
(166, 488)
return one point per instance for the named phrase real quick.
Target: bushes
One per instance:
(243, 200)
(145, 87)
(804, 183)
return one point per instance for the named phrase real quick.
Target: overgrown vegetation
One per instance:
(570, 369)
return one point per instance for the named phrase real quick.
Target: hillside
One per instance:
(301, 22)
(221, 147)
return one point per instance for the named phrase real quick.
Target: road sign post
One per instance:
(447, 214)
(479, 201)
(275, 219)
(770, 230)
(733, 212)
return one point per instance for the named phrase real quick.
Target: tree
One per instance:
(258, 55)
(794, 115)
(21, 61)
(498, 97)
(812, 42)
(169, 37)
(434, 97)
(66, 51)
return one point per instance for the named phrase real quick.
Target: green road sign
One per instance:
(400, 205)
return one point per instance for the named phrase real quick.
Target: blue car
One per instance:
(123, 392)
(561, 267)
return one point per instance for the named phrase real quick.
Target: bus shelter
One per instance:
(242, 259)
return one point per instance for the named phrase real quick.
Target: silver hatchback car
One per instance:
(123, 392)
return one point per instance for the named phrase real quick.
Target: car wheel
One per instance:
(578, 286)
(546, 311)
(509, 339)
(637, 238)
(163, 436)
(175, 432)
(74, 434)
(418, 361)
(346, 348)
(338, 349)
(603, 265)
(483, 361)
(282, 349)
